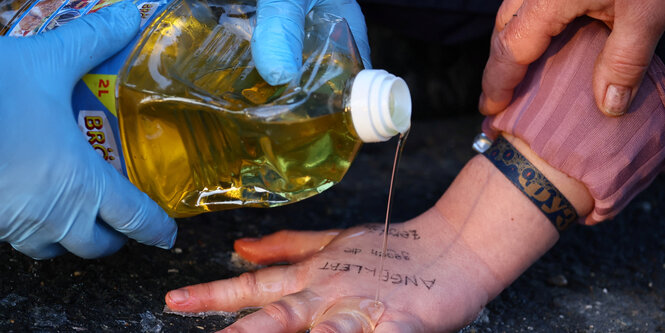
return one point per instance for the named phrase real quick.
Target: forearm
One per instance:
(482, 212)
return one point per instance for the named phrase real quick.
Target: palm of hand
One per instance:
(424, 286)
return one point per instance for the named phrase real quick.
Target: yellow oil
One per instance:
(197, 134)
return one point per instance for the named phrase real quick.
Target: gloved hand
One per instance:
(57, 193)
(277, 41)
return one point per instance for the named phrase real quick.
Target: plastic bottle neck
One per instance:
(380, 105)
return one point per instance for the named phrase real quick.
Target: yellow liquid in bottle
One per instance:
(198, 137)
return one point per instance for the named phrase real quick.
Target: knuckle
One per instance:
(502, 51)
(246, 285)
(627, 67)
(208, 291)
(281, 313)
(554, 24)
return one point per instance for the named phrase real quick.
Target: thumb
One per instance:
(82, 44)
(351, 12)
(621, 65)
(128, 210)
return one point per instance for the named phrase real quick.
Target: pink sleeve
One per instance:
(554, 111)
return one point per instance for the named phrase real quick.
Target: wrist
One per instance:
(468, 281)
(498, 223)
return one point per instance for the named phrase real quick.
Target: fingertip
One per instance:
(159, 231)
(277, 41)
(275, 65)
(185, 299)
(276, 76)
(131, 212)
(250, 250)
(198, 298)
(178, 299)
(168, 241)
(621, 65)
(367, 63)
(617, 100)
(488, 107)
(166, 236)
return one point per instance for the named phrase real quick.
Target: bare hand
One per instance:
(524, 29)
(431, 281)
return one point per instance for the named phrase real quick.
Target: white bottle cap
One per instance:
(380, 105)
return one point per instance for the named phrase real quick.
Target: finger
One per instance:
(277, 40)
(496, 93)
(249, 289)
(402, 322)
(292, 313)
(80, 45)
(128, 210)
(506, 12)
(351, 12)
(522, 41)
(349, 315)
(626, 56)
(89, 239)
(285, 245)
(37, 250)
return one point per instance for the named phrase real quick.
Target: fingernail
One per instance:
(616, 100)
(179, 296)
(248, 240)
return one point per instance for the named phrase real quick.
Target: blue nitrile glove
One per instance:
(277, 41)
(56, 192)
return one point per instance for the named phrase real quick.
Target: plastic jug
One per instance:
(184, 113)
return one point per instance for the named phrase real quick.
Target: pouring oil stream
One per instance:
(384, 247)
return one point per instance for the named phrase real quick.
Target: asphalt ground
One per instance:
(607, 278)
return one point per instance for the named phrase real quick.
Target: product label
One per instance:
(148, 9)
(94, 99)
(103, 87)
(99, 133)
(47, 15)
